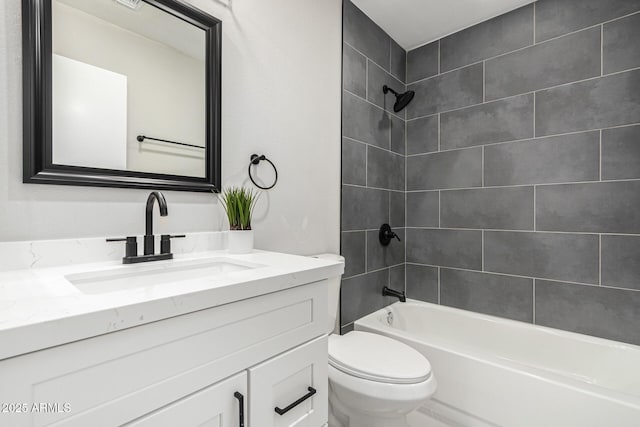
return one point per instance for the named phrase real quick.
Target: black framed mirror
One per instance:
(121, 93)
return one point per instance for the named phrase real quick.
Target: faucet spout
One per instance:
(388, 292)
(148, 235)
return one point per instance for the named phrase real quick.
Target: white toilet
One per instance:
(374, 381)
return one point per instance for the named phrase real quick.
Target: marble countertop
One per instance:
(40, 307)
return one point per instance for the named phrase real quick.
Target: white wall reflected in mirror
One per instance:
(162, 59)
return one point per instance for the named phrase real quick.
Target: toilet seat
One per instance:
(377, 358)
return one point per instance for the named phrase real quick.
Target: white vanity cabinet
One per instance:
(216, 406)
(184, 371)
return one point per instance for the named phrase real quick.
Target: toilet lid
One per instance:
(377, 358)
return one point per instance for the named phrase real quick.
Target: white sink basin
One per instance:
(154, 274)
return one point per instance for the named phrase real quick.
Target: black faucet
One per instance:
(149, 238)
(388, 292)
(131, 254)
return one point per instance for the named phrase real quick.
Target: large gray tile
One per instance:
(507, 208)
(555, 159)
(397, 277)
(365, 122)
(422, 282)
(504, 120)
(396, 209)
(592, 104)
(455, 89)
(354, 162)
(345, 329)
(379, 256)
(557, 17)
(608, 207)
(376, 79)
(422, 135)
(423, 209)
(496, 36)
(422, 62)
(620, 47)
(353, 249)
(448, 169)
(362, 295)
(493, 294)
(592, 310)
(448, 248)
(398, 143)
(621, 153)
(365, 35)
(364, 208)
(398, 61)
(563, 60)
(560, 256)
(354, 71)
(385, 169)
(621, 261)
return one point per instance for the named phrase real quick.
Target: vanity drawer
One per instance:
(118, 377)
(216, 405)
(287, 379)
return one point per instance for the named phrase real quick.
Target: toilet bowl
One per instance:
(374, 381)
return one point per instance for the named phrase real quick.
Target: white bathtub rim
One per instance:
(370, 323)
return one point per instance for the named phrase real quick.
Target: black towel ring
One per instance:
(255, 159)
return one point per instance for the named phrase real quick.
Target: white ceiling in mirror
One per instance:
(413, 23)
(148, 21)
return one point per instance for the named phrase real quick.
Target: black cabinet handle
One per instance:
(240, 398)
(312, 391)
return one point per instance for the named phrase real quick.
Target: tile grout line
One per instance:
(366, 80)
(600, 259)
(439, 291)
(534, 23)
(534, 208)
(482, 248)
(600, 163)
(482, 166)
(534, 114)
(438, 133)
(439, 54)
(601, 49)
(533, 300)
(484, 82)
(366, 166)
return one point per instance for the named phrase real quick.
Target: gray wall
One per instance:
(522, 160)
(373, 163)
(523, 168)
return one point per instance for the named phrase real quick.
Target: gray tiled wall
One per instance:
(373, 165)
(523, 168)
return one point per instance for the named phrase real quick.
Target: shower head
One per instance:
(402, 99)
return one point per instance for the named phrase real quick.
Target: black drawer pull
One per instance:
(312, 391)
(240, 398)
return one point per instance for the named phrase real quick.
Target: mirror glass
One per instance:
(129, 89)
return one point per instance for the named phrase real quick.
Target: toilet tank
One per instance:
(334, 294)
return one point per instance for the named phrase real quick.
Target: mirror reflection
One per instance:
(129, 88)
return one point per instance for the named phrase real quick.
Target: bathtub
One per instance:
(498, 372)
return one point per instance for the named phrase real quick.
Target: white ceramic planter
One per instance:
(240, 241)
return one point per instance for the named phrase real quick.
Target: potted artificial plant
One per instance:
(238, 204)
